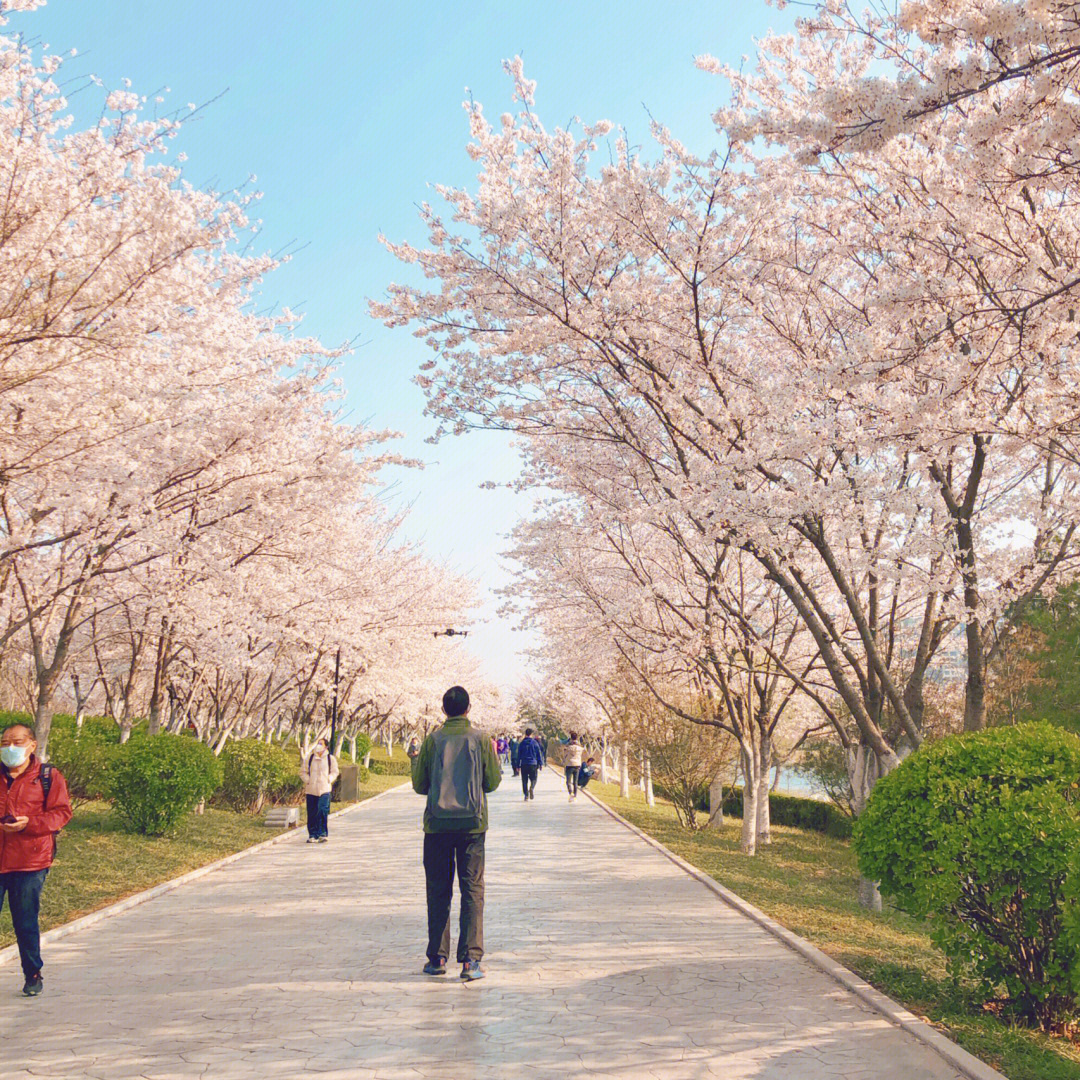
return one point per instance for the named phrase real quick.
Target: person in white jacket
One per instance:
(572, 753)
(318, 772)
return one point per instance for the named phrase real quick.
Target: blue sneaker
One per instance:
(471, 970)
(431, 968)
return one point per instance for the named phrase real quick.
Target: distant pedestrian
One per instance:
(34, 807)
(414, 746)
(502, 748)
(319, 773)
(586, 773)
(530, 758)
(572, 753)
(515, 745)
(455, 769)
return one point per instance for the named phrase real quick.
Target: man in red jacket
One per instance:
(29, 820)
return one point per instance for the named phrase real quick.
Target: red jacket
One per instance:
(32, 848)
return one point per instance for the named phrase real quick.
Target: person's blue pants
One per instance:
(23, 890)
(318, 812)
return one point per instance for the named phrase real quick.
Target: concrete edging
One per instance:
(111, 910)
(967, 1064)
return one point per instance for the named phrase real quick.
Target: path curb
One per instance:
(86, 921)
(967, 1064)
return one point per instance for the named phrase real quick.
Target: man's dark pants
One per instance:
(318, 814)
(528, 777)
(571, 772)
(441, 852)
(23, 890)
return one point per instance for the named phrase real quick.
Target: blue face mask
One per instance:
(13, 756)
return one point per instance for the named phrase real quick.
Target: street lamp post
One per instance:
(333, 711)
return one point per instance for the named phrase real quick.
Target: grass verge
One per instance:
(99, 863)
(806, 881)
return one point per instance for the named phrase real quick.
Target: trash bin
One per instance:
(348, 787)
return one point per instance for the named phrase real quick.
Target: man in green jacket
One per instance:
(455, 768)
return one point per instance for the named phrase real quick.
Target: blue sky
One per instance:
(346, 112)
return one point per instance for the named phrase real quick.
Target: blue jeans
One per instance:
(318, 811)
(23, 889)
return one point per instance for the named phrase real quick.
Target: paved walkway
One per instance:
(604, 960)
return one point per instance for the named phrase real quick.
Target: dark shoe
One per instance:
(471, 970)
(431, 968)
(532, 794)
(34, 985)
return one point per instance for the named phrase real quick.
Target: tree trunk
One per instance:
(160, 661)
(751, 792)
(650, 799)
(764, 767)
(716, 804)
(975, 688)
(43, 715)
(864, 771)
(624, 771)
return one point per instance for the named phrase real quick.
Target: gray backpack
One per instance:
(456, 794)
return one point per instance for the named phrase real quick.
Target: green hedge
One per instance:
(791, 810)
(155, 782)
(810, 814)
(255, 773)
(390, 768)
(86, 765)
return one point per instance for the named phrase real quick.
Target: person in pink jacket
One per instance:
(34, 807)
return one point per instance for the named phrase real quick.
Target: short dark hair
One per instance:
(455, 701)
(15, 727)
(528, 731)
(573, 735)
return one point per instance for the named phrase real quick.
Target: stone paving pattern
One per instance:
(604, 960)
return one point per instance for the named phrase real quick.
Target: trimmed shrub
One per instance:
(155, 782)
(13, 716)
(977, 832)
(1071, 919)
(86, 764)
(363, 746)
(99, 729)
(254, 773)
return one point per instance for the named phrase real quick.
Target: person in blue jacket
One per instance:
(530, 759)
(586, 772)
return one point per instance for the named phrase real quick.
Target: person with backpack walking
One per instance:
(514, 745)
(530, 759)
(572, 753)
(319, 773)
(34, 807)
(455, 769)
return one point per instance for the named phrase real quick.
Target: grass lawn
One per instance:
(806, 881)
(99, 863)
